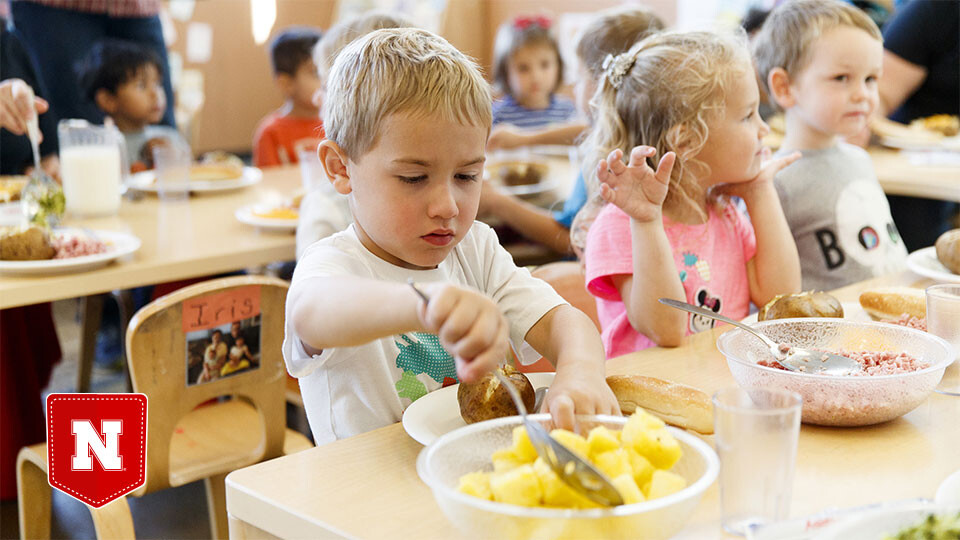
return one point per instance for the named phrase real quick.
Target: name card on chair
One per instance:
(222, 334)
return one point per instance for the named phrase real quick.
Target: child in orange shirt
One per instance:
(299, 118)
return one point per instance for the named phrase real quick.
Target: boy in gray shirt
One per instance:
(820, 61)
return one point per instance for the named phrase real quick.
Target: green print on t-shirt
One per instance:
(422, 354)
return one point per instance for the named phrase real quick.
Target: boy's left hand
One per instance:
(572, 394)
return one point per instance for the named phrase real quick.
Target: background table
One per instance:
(367, 486)
(180, 240)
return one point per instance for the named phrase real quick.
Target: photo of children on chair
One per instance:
(224, 350)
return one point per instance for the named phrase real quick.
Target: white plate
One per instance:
(146, 181)
(438, 412)
(884, 521)
(246, 215)
(852, 311)
(118, 245)
(543, 186)
(925, 262)
(920, 143)
(948, 494)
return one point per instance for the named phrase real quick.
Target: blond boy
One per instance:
(407, 118)
(820, 61)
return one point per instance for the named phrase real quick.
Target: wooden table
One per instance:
(180, 240)
(367, 486)
(898, 176)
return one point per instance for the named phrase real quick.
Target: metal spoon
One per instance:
(538, 398)
(571, 468)
(39, 197)
(793, 358)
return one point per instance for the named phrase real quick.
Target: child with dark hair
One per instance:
(528, 69)
(125, 80)
(298, 119)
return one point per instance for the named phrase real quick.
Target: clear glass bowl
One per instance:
(840, 400)
(469, 448)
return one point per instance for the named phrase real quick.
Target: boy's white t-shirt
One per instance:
(351, 390)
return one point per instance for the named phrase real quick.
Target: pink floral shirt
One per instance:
(711, 259)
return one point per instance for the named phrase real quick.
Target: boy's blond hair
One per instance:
(790, 30)
(340, 35)
(668, 81)
(403, 70)
(614, 31)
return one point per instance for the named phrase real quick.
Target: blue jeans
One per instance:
(60, 38)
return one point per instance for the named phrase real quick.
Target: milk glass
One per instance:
(92, 167)
(756, 437)
(943, 320)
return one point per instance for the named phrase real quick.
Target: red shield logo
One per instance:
(96, 445)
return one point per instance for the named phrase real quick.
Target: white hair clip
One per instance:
(618, 66)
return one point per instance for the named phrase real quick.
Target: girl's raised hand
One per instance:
(768, 169)
(635, 188)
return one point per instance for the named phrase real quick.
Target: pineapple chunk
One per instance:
(556, 492)
(656, 445)
(519, 486)
(572, 441)
(476, 484)
(628, 489)
(641, 466)
(601, 440)
(613, 463)
(664, 483)
(506, 459)
(522, 447)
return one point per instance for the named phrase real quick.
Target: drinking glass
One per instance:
(171, 163)
(943, 320)
(756, 438)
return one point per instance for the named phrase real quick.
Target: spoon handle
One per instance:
(710, 314)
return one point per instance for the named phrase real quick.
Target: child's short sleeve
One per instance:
(608, 252)
(523, 298)
(744, 229)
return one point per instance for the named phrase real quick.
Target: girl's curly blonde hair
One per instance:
(660, 93)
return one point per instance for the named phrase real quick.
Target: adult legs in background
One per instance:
(29, 348)
(59, 38)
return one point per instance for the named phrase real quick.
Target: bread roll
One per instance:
(805, 304)
(892, 302)
(948, 250)
(676, 404)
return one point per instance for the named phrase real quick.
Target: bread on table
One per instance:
(676, 404)
(948, 250)
(891, 302)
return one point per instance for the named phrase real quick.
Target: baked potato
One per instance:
(487, 398)
(948, 250)
(30, 244)
(805, 304)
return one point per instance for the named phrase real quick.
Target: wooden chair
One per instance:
(567, 279)
(186, 441)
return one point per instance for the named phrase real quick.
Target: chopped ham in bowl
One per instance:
(903, 366)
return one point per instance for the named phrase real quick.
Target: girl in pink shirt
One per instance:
(688, 103)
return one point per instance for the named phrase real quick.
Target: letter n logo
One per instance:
(96, 445)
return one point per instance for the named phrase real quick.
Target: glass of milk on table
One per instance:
(92, 166)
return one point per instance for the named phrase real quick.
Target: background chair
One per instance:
(189, 439)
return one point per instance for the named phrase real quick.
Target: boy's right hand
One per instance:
(635, 188)
(470, 327)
